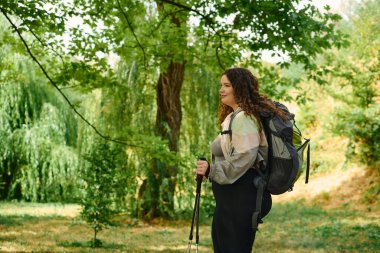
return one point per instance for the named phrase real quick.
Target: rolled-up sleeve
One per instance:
(245, 145)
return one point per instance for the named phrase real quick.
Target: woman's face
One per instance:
(227, 93)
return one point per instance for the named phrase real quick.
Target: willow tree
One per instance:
(166, 37)
(38, 137)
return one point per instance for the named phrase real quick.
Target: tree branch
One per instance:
(219, 47)
(132, 30)
(59, 90)
(45, 45)
(161, 21)
(208, 21)
(188, 9)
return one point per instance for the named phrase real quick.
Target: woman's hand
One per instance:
(202, 169)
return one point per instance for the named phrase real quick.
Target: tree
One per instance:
(100, 182)
(38, 134)
(165, 38)
(356, 72)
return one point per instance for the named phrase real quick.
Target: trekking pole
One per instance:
(195, 217)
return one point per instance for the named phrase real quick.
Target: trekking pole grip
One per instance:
(200, 177)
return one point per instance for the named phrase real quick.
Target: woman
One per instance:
(235, 158)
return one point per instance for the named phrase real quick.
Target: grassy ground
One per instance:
(290, 227)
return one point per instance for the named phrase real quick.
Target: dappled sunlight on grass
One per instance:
(39, 209)
(290, 227)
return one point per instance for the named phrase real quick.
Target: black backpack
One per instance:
(285, 157)
(285, 153)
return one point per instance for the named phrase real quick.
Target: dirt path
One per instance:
(320, 184)
(337, 189)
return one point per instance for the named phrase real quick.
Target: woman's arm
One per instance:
(245, 146)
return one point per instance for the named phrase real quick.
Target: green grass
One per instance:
(291, 227)
(298, 228)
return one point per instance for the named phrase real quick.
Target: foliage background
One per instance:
(111, 77)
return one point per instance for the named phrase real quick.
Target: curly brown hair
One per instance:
(247, 95)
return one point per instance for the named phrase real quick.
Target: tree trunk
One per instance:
(169, 114)
(158, 189)
(158, 197)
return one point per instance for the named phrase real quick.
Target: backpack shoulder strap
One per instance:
(233, 116)
(229, 131)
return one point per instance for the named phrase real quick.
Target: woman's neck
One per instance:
(235, 107)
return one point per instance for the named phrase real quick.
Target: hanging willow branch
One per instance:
(60, 91)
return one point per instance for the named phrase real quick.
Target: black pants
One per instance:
(232, 222)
